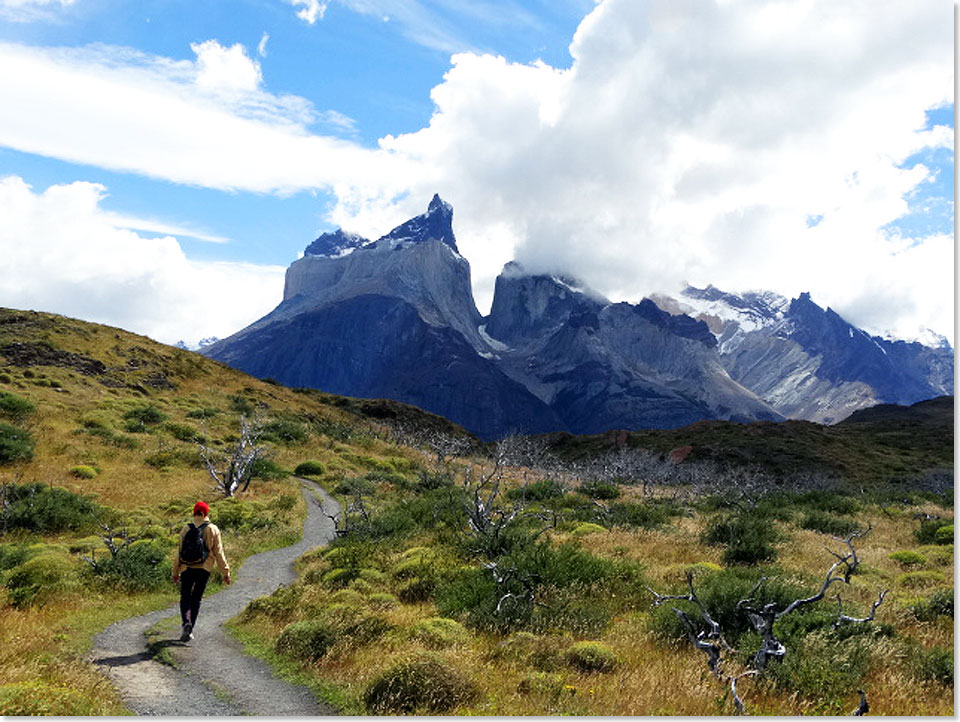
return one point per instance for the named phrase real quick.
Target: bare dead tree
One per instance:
(234, 470)
(529, 582)
(711, 642)
(109, 537)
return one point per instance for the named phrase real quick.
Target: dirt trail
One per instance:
(213, 675)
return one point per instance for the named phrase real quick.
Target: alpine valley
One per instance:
(395, 318)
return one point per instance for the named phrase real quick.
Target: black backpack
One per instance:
(193, 548)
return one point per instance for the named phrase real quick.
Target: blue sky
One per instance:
(161, 162)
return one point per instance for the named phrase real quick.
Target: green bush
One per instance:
(824, 667)
(749, 538)
(16, 408)
(82, 471)
(826, 523)
(944, 535)
(537, 491)
(339, 577)
(439, 632)
(927, 533)
(644, 516)
(268, 470)
(591, 657)
(308, 640)
(421, 684)
(21, 699)
(13, 555)
(42, 508)
(140, 417)
(204, 413)
(417, 591)
(310, 468)
(935, 664)
(279, 605)
(15, 444)
(40, 579)
(285, 431)
(239, 515)
(142, 566)
(182, 432)
(382, 600)
(915, 580)
(549, 684)
(939, 604)
(720, 591)
(907, 558)
(600, 490)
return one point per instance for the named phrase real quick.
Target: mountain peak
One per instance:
(335, 244)
(435, 224)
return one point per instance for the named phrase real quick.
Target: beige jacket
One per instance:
(211, 535)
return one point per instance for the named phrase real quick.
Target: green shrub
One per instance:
(600, 490)
(40, 579)
(241, 516)
(339, 577)
(204, 413)
(285, 431)
(591, 657)
(944, 535)
(279, 605)
(382, 600)
(549, 684)
(351, 487)
(907, 558)
(915, 580)
(142, 566)
(310, 468)
(13, 555)
(720, 591)
(347, 596)
(927, 533)
(749, 538)
(15, 444)
(417, 591)
(644, 516)
(21, 699)
(421, 684)
(439, 632)
(940, 555)
(82, 471)
(308, 640)
(935, 664)
(16, 408)
(824, 667)
(826, 523)
(140, 417)
(537, 491)
(42, 508)
(182, 432)
(939, 604)
(268, 470)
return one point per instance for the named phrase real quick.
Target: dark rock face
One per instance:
(436, 224)
(379, 347)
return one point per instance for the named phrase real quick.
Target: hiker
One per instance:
(199, 549)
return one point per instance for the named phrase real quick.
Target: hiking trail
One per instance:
(213, 675)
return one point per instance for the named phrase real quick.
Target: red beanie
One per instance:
(201, 509)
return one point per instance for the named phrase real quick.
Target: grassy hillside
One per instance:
(502, 589)
(885, 444)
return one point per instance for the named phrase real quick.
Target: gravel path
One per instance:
(213, 675)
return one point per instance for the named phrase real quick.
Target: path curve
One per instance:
(214, 676)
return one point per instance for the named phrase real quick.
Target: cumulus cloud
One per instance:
(63, 253)
(693, 141)
(690, 140)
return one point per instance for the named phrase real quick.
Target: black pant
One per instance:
(192, 583)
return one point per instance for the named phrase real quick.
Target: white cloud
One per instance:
(63, 253)
(262, 45)
(226, 69)
(689, 141)
(30, 10)
(311, 10)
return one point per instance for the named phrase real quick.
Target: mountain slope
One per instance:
(809, 363)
